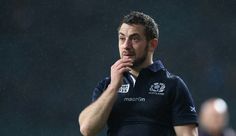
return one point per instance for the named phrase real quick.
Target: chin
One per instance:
(129, 57)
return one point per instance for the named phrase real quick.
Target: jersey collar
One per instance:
(156, 66)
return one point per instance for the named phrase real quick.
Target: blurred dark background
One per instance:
(53, 53)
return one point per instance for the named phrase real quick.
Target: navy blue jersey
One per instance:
(150, 105)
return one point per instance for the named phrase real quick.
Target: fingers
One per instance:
(123, 64)
(117, 70)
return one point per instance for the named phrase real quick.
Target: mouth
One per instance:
(128, 54)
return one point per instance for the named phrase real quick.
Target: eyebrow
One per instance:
(121, 34)
(132, 35)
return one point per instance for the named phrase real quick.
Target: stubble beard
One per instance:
(139, 61)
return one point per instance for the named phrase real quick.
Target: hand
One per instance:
(117, 70)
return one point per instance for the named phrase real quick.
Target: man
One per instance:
(140, 98)
(214, 118)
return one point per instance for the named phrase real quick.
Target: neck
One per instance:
(135, 70)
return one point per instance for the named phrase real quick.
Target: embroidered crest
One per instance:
(157, 88)
(124, 88)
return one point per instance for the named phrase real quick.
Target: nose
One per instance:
(127, 44)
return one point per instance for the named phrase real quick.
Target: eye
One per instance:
(135, 38)
(122, 38)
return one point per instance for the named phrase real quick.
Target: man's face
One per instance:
(133, 43)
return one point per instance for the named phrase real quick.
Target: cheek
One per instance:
(120, 53)
(119, 45)
(141, 50)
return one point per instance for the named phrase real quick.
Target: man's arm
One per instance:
(186, 130)
(93, 118)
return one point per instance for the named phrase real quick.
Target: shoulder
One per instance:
(176, 85)
(104, 82)
(100, 87)
(171, 78)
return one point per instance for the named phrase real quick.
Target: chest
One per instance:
(146, 97)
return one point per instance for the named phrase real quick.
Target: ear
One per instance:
(153, 44)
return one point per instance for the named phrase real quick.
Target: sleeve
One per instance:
(98, 90)
(183, 108)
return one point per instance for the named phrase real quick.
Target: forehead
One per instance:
(129, 29)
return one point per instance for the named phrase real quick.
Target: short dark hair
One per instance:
(139, 18)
